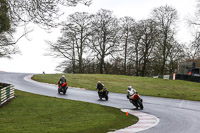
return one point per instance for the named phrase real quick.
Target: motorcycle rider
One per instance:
(102, 92)
(130, 95)
(62, 80)
(99, 86)
(130, 92)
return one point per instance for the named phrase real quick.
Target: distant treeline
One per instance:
(102, 43)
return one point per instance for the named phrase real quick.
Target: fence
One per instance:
(180, 77)
(164, 76)
(6, 92)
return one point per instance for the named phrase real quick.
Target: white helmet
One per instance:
(130, 87)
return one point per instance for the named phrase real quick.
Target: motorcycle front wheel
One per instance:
(64, 91)
(140, 103)
(106, 97)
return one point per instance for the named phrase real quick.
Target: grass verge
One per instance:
(118, 83)
(35, 113)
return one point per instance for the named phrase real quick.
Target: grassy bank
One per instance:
(118, 83)
(39, 114)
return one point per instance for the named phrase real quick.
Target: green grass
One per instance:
(33, 113)
(178, 89)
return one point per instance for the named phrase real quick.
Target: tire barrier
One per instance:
(6, 93)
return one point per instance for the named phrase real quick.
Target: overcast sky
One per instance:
(33, 60)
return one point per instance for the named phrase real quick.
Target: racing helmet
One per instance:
(129, 88)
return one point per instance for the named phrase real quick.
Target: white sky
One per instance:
(32, 59)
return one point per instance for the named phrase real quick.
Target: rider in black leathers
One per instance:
(99, 86)
(102, 92)
(62, 80)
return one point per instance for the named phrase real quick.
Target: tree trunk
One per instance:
(102, 65)
(73, 59)
(137, 59)
(103, 53)
(164, 55)
(81, 52)
(145, 58)
(125, 58)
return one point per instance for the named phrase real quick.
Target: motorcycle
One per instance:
(103, 93)
(135, 99)
(62, 88)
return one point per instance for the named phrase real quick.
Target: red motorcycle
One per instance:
(62, 88)
(135, 99)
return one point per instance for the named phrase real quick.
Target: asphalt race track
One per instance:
(176, 116)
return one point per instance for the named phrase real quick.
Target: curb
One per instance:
(145, 122)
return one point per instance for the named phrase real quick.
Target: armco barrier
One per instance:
(180, 77)
(6, 92)
(188, 77)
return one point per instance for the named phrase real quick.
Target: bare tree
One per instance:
(166, 16)
(194, 24)
(15, 12)
(104, 36)
(127, 24)
(196, 45)
(195, 21)
(176, 54)
(39, 11)
(74, 40)
(148, 41)
(135, 58)
(64, 48)
(7, 46)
